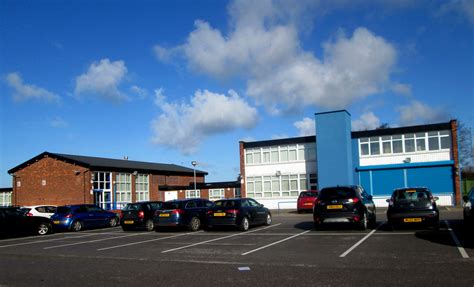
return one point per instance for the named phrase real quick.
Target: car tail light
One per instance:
(209, 212)
(69, 215)
(233, 211)
(356, 218)
(121, 214)
(354, 200)
(141, 214)
(177, 211)
(29, 214)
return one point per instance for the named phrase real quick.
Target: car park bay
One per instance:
(288, 251)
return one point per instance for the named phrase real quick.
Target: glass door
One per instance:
(103, 189)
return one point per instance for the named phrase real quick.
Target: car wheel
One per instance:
(76, 226)
(364, 221)
(244, 224)
(149, 225)
(44, 228)
(194, 224)
(373, 222)
(113, 222)
(268, 221)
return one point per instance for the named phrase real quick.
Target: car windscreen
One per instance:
(336, 193)
(132, 207)
(63, 210)
(412, 194)
(309, 194)
(227, 203)
(173, 205)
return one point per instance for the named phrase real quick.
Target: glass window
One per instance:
(292, 153)
(284, 154)
(445, 139)
(301, 153)
(266, 155)
(215, 194)
(276, 184)
(142, 187)
(364, 149)
(303, 182)
(409, 143)
(257, 156)
(433, 141)
(249, 157)
(397, 144)
(420, 141)
(374, 145)
(313, 181)
(123, 185)
(193, 193)
(285, 183)
(274, 152)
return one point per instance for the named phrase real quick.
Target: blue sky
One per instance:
(177, 81)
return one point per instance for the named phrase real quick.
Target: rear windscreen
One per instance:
(173, 205)
(309, 194)
(227, 203)
(132, 206)
(411, 194)
(63, 210)
(336, 193)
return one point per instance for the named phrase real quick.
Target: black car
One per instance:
(187, 213)
(238, 212)
(139, 215)
(344, 204)
(413, 206)
(14, 221)
(468, 210)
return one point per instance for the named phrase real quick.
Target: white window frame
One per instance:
(142, 187)
(216, 194)
(193, 193)
(123, 189)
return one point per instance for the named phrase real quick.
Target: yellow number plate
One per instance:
(128, 222)
(335, 206)
(412, 219)
(164, 215)
(219, 213)
(56, 222)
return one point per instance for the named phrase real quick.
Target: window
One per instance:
(101, 180)
(420, 141)
(387, 144)
(409, 143)
(142, 187)
(266, 155)
(193, 193)
(445, 139)
(274, 151)
(313, 181)
(397, 144)
(284, 154)
(123, 185)
(292, 153)
(433, 141)
(301, 152)
(258, 186)
(257, 156)
(249, 157)
(267, 186)
(215, 194)
(5, 198)
(364, 146)
(275, 186)
(374, 145)
(303, 182)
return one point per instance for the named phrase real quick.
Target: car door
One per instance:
(97, 215)
(257, 213)
(368, 202)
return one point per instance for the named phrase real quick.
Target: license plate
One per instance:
(308, 203)
(128, 222)
(412, 219)
(164, 215)
(56, 222)
(334, 206)
(219, 213)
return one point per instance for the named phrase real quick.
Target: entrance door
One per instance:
(102, 181)
(171, 195)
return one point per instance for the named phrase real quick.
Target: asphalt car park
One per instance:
(289, 251)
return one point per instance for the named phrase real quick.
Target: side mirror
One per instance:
(387, 200)
(261, 205)
(370, 197)
(436, 198)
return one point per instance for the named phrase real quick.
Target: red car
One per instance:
(306, 200)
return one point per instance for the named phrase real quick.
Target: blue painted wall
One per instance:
(334, 149)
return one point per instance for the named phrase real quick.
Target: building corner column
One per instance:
(456, 167)
(243, 190)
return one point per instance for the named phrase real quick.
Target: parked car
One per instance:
(139, 215)
(468, 206)
(413, 206)
(238, 212)
(14, 221)
(39, 210)
(306, 200)
(80, 216)
(187, 213)
(344, 204)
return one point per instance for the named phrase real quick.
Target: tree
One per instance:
(466, 150)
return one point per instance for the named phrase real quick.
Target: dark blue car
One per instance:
(187, 213)
(80, 216)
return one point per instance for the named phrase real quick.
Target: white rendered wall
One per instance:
(430, 156)
(301, 167)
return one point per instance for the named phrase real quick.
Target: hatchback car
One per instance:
(238, 212)
(14, 221)
(468, 207)
(80, 216)
(39, 210)
(306, 201)
(344, 204)
(413, 206)
(188, 213)
(139, 215)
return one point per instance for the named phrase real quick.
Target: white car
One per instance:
(39, 210)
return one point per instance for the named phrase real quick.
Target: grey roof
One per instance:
(99, 163)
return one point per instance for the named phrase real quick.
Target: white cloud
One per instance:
(140, 92)
(184, 126)
(263, 47)
(24, 92)
(103, 79)
(367, 121)
(306, 127)
(418, 113)
(58, 122)
(464, 8)
(402, 89)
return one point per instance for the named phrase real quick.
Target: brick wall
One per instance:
(243, 188)
(455, 155)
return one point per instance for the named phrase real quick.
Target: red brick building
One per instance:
(59, 179)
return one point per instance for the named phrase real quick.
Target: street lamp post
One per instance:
(194, 170)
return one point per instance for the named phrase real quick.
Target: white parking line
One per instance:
(461, 249)
(216, 239)
(90, 241)
(46, 240)
(145, 241)
(358, 243)
(274, 243)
